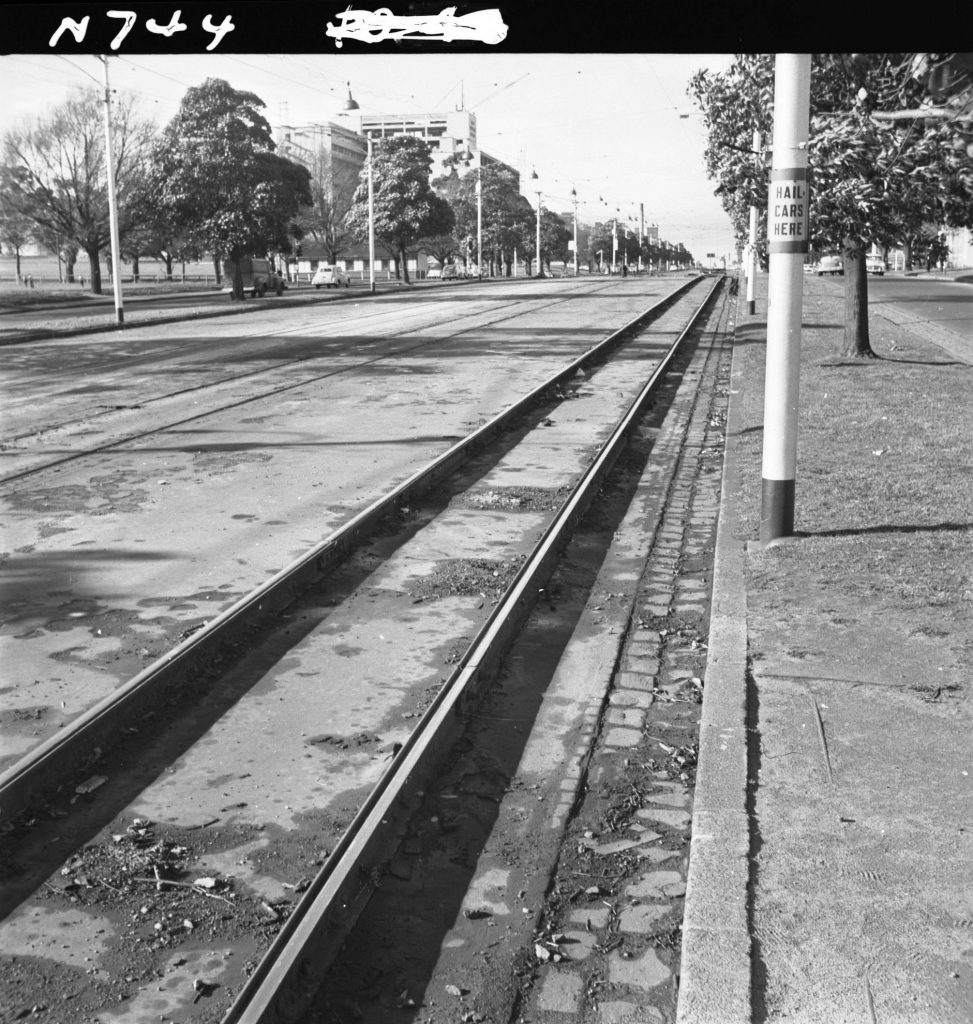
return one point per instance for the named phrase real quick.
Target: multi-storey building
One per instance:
(334, 147)
(451, 137)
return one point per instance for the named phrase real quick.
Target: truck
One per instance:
(259, 277)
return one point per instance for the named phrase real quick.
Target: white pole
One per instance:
(752, 248)
(540, 267)
(479, 227)
(575, 232)
(752, 263)
(112, 203)
(641, 232)
(787, 243)
(371, 221)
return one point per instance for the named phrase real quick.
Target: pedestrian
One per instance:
(30, 280)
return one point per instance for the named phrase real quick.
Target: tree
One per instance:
(56, 171)
(507, 217)
(554, 238)
(16, 228)
(600, 244)
(869, 178)
(219, 183)
(406, 208)
(333, 187)
(442, 247)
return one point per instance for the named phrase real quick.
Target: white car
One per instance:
(330, 277)
(874, 265)
(829, 265)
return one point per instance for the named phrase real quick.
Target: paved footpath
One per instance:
(838, 887)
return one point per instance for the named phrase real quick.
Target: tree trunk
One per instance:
(94, 262)
(168, 259)
(216, 270)
(404, 260)
(236, 290)
(907, 252)
(856, 343)
(69, 269)
(135, 267)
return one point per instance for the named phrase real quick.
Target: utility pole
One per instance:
(787, 244)
(641, 232)
(479, 226)
(112, 202)
(371, 220)
(752, 250)
(540, 265)
(574, 199)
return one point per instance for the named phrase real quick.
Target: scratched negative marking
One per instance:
(376, 27)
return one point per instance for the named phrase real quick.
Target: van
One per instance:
(259, 277)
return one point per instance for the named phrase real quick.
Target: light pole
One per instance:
(752, 254)
(352, 104)
(574, 200)
(371, 221)
(112, 202)
(540, 265)
(641, 232)
(479, 227)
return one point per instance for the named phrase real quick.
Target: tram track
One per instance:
(458, 326)
(410, 757)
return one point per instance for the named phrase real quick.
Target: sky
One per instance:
(607, 125)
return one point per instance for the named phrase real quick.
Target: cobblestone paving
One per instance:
(609, 947)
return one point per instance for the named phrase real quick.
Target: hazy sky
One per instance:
(607, 125)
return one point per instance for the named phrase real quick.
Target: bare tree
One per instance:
(56, 169)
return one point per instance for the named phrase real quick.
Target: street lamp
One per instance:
(574, 200)
(371, 220)
(352, 104)
(479, 227)
(112, 202)
(540, 265)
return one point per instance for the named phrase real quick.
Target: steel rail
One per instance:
(37, 775)
(287, 977)
(272, 393)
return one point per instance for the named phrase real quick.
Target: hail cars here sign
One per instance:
(788, 209)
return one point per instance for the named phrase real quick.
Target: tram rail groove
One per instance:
(119, 442)
(39, 774)
(288, 975)
(115, 443)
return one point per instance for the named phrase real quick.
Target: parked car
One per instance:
(330, 277)
(829, 265)
(874, 265)
(450, 273)
(434, 273)
(259, 277)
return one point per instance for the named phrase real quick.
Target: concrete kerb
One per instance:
(715, 976)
